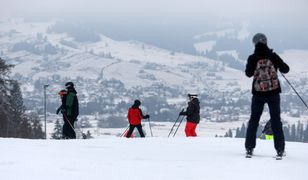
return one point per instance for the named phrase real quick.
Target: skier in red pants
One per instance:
(193, 115)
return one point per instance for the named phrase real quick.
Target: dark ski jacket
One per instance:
(268, 128)
(262, 51)
(135, 115)
(193, 111)
(72, 105)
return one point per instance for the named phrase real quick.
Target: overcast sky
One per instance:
(169, 23)
(155, 8)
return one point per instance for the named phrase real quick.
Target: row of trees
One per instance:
(14, 122)
(295, 132)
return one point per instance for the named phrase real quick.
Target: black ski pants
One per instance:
(257, 106)
(131, 129)
(68, 132)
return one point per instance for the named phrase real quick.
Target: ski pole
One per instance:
(124, 131)
(294, 90)
(178, 126)
(150, 128)
(261, 135)
(65, 117)
(175, 123)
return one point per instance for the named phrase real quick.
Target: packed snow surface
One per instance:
(148, 159)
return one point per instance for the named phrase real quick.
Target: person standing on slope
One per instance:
(263, 66)
(71, 111)
(134, 118)
(63, 94)
(267, 131)
(193, 115)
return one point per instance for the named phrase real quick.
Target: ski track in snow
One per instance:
(150, 158)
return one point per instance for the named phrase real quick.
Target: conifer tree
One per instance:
(13, 120)
(36, 127)
(293, 133)
(89, 135)
(305, 138)
(243, 131)
(17, 108)
(4, 102)
(57, 130)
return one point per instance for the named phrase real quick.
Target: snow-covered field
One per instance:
(150, 158)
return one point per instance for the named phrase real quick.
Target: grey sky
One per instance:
(171, 24)
(156, 8)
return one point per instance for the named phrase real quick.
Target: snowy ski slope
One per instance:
(150, 158)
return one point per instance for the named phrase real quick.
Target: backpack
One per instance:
(265, 76)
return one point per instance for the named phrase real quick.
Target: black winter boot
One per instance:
(249, 153)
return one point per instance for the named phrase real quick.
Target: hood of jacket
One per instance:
(71, 90)
(195, 101)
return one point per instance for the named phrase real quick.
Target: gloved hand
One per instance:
(63, 110)
(147, 116)
(58, 110)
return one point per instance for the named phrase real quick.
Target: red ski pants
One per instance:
(190, 129)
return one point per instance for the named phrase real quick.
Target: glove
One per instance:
(63, 111)
(58, 110)
(147, 116)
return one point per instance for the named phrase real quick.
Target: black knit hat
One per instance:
(69, 85)
(192, 95)
(137, 103)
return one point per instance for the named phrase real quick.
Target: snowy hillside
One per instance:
(39, 50)
(150, 159)
(297, 59)
(109, 74)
